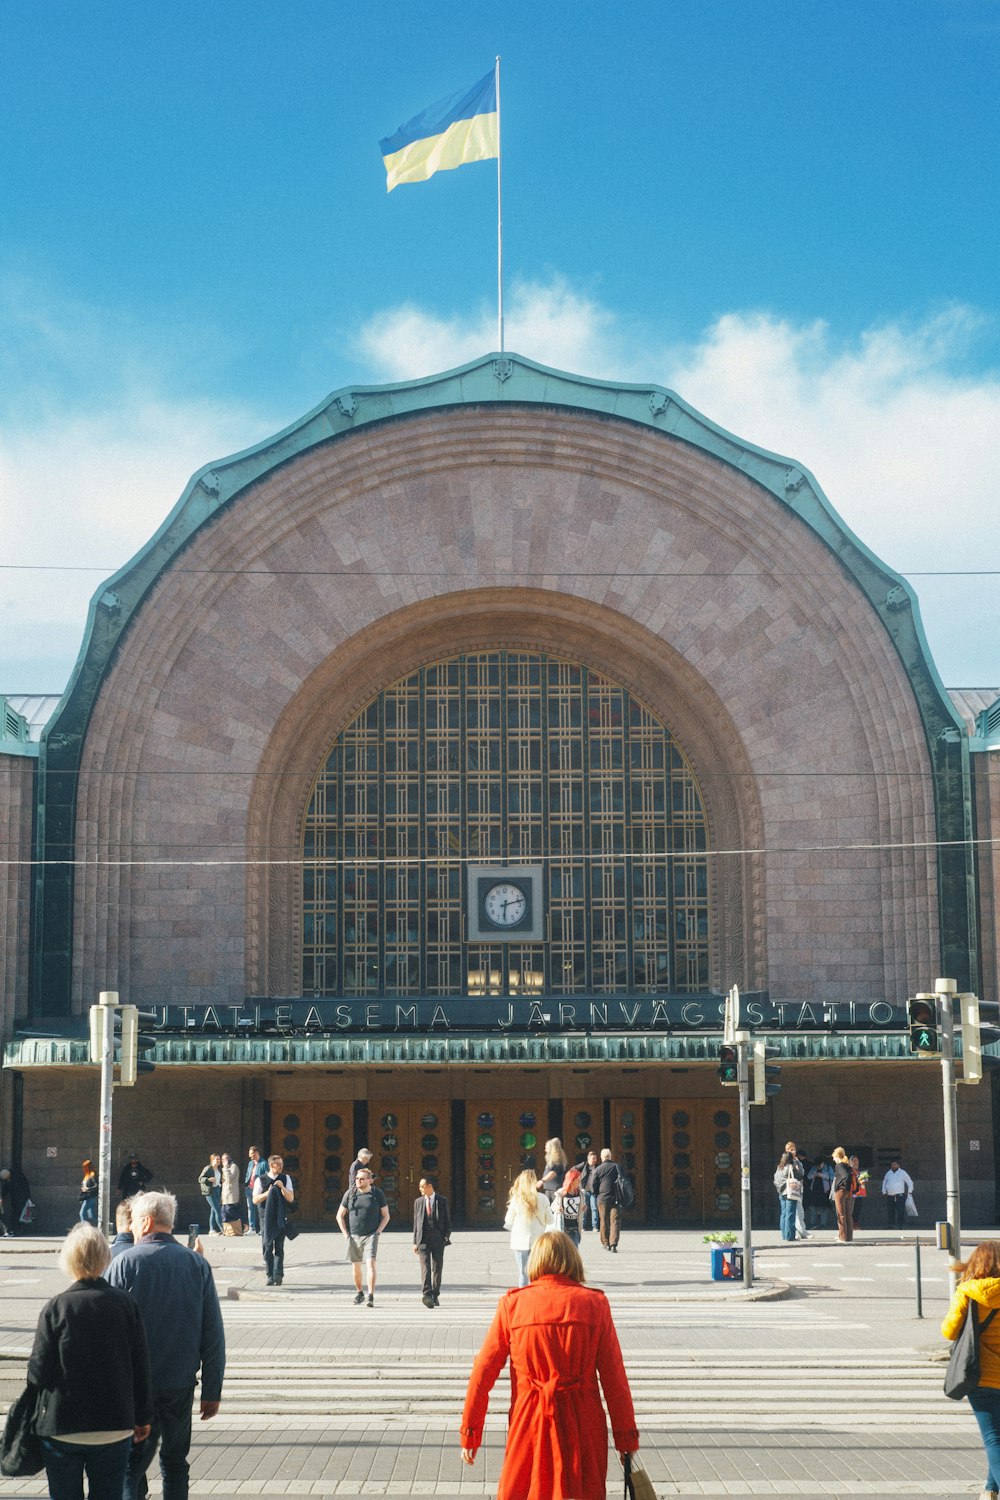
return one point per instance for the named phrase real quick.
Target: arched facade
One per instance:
(510, 510)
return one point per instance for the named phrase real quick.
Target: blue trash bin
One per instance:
(723, 1262)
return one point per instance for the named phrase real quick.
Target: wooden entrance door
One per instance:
(409, 1139)
(314, 1140)
(503, 1137)
(627, 1148)
(700, 1152)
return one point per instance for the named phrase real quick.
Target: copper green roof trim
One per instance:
(492, 380)
(392, 1049)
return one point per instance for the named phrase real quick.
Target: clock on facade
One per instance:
(504, 903)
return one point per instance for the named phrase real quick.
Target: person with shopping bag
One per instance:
(978, 1295)
(557, 1435)
(897, 1186)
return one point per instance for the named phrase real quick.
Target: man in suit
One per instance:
(431, 1232)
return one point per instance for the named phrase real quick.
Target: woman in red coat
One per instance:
(559, 1337)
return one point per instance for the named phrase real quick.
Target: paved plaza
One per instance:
(822, 1382)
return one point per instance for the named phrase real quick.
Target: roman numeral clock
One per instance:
(504, 903)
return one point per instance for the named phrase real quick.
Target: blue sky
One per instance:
(786, 211)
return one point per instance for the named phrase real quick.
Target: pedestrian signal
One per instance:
(924, 1026)
(765, 1074)
(729, 1064)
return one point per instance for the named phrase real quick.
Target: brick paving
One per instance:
(735, 1397)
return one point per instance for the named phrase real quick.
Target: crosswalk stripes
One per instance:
(674, 1387)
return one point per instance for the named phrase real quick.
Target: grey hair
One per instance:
(85, 1254)
(160, 1207)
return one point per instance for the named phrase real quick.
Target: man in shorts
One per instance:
(362, 1216)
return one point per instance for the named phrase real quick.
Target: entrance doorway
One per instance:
(409, 1139)
(700, 1152)
(503, 1138)
(314, 1139)
(627, 1143)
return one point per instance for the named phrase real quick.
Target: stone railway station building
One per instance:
(436, 768)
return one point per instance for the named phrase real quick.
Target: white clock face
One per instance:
(505, 904)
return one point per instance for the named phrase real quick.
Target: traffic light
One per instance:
(135, 1044)
(765, 1074)
(729, 1064)
(977, 1033)
(923, 1015)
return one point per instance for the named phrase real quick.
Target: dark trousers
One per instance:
(104, 1466)
(610, 1216)
(274, 1257)
(845, 1218)
(431, 1262)
(896, 1204)
(171, 1432)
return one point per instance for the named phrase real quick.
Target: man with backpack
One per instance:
(607, 1186)
(362, 1215)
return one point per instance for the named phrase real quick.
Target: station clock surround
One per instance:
(504, 903)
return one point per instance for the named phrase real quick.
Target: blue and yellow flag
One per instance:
(464, 127)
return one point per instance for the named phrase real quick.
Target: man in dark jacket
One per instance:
(180, 1309)
(604, 1186)
(431, 1233)
(133, 1177)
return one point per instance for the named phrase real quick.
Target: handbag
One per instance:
(910, 1207)
(793, 1187)
(962, 1374)
(21, 1447)
(638, 1485)
(291, 1231)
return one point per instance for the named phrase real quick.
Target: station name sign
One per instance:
(500, 1014)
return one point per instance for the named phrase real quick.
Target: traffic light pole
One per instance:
(743, 1044)
(106, 1018)
(945, 989)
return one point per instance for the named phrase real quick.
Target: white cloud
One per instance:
(96, 445)
(900, 439)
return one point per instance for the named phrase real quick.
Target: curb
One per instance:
(770, 1291)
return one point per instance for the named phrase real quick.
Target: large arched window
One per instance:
(505, 757)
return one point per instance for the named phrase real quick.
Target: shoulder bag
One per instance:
(21, 1447)
(962, 1374)
(638, 1485)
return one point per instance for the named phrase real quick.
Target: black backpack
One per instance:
(624, 1191)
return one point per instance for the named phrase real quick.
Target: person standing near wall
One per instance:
(254, 1168)
(896, 1184)
(843, 1195)
(88, 1193)
(788, 1179)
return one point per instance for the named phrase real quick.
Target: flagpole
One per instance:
(499, 222)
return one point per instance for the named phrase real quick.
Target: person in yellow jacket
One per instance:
(980, 1283)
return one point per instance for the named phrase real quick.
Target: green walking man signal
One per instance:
(729, 1064)
(923, 1015)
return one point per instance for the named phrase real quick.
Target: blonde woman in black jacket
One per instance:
(90, 1364)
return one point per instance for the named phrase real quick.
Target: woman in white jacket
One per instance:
(529, 1214)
